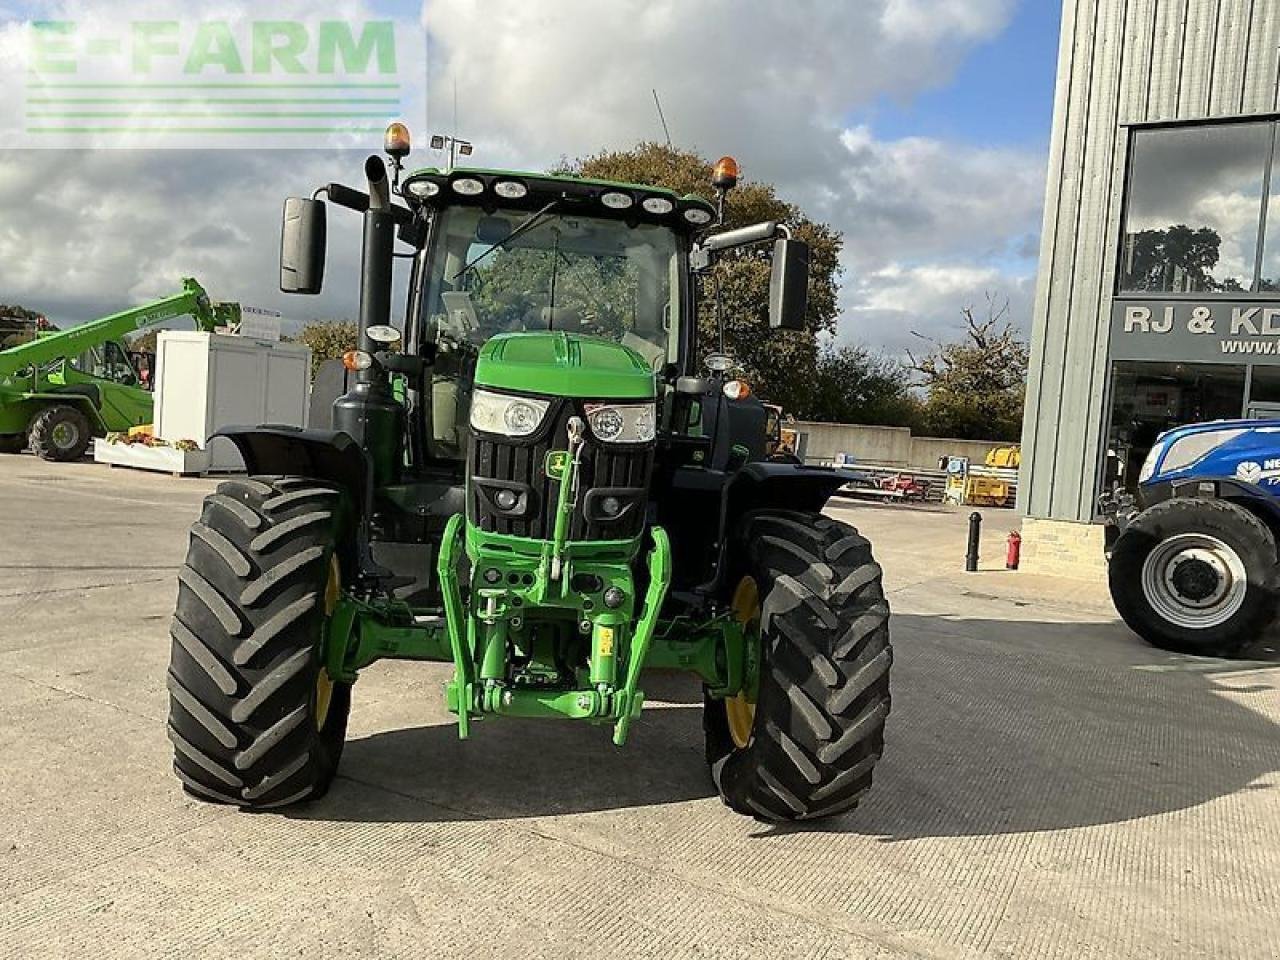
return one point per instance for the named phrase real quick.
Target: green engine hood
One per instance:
(562, 364)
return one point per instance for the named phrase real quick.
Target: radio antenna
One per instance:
(658, 103)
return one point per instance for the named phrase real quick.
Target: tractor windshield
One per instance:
(566, 272)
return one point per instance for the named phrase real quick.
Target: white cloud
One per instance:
(920, 198)
(928, 224)
(899, 302)
(770, 84)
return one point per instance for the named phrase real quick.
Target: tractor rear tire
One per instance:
(254, 718)
(59, 433)
(1195, 576)
(13, 442)
(816, 728)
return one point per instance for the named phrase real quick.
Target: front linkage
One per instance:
(519, 586)
(475, 637)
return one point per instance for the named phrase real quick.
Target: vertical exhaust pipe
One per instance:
(369, 412)
(376, 259)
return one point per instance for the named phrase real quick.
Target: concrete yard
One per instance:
(1051, 787)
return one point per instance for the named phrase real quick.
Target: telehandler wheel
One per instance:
(254, 718)
(1195, 576)
(13, 442)
(805, 745)
(59, 433)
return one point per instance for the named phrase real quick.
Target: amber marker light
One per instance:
(396, 140)
(357, 360)
(724, 176)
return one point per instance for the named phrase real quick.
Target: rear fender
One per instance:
(1260, 500)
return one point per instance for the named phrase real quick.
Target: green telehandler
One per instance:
(61, 389)
(541, 487)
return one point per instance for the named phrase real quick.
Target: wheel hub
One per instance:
(1198, 577)
(64, 436)
(324, 683)
(1194, 580)
(740, 711)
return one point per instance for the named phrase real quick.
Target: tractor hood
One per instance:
(562, 364)
(1248, 450)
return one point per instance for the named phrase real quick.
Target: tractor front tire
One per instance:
(1195, 575)
(805, 748)
(59, 433)
(254, 718)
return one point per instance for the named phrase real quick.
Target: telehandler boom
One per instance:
(61, 389)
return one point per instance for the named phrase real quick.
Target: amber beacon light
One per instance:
(725, 174)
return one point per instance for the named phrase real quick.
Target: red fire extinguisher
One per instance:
(1014, 553)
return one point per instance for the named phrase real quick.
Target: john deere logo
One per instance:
(557, 463)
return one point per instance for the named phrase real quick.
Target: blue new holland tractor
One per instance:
(1193, 564)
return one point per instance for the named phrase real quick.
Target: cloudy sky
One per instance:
(917, 127)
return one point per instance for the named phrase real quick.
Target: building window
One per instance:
(1196, 209)
(1264, 391)
(1149, 398)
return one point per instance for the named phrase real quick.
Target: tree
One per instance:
(854, 385)
(144, 342)
(19, 325)
(779, 364)
(975, 388)
(328, 340)
(1179, 258)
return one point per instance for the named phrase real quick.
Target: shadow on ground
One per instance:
(997, 727)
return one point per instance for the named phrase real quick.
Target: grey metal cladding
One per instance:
(1120, 62)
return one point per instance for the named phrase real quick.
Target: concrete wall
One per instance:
(1064, 548)
(1119, 62)
(890, 446)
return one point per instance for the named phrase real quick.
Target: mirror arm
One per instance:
(700, 253)
(358, 200)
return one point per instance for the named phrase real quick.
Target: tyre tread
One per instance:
(824, 692)
(244, 657)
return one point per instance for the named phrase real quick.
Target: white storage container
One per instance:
(205, 381)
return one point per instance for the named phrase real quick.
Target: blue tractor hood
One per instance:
(1247, 451)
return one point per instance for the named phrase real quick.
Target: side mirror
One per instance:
(789, 285)
(302, 243)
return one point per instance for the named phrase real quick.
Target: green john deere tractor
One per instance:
(541, 487)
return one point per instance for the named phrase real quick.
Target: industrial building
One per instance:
(1158, 301)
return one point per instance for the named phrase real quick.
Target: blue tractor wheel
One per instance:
(1196, 576)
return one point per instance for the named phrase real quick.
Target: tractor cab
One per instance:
(578, 268)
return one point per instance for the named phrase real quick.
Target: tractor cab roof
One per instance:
(433, 187)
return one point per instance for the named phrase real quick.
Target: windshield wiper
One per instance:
(525, 225)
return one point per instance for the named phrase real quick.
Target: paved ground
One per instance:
(1051, 787)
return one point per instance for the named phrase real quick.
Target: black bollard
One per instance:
(975, 531)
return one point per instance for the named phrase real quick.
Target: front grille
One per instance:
(502, 462)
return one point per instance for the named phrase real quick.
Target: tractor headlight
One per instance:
(510, 189)
(422, 189)
(510, 416)
(622, 423)
(616, 200)
(1149, 464)
(1188, 450)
